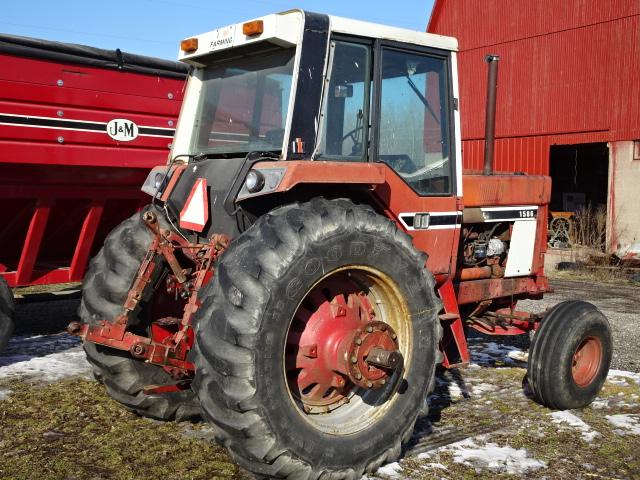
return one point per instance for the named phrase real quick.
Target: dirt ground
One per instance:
(58, 423)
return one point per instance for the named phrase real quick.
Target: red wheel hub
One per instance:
(335, 343)
(586, 361)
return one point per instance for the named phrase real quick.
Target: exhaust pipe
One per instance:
(490, 118)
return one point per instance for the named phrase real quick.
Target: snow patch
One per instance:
(483, 388)
(588, 434)
(22, 348)
(628, 424)
(617, 381)
(50, 368)
(518, 355)
(456, 392)
(4, 394)
(390, 470)
(493, 457)
(611, 377)
(434, 465)
(598, 403)
(488, 353)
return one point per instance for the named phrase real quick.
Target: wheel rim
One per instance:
(334, 338)
(586, 361)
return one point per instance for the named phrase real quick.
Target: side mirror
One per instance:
(343, 91)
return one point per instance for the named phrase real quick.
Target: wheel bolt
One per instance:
(358, 341)
(138, 349)
(369, 329)
(369, 384)
(358, 376)
(354, 360)
(383, 382)
(394, 336)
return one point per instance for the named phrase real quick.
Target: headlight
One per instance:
(154, 182)
(158, 180)
(254, 181)
(260, 181)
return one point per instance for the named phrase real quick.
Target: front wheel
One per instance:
(570, 356)
(316, 343)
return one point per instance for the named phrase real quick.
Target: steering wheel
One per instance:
(352, 134)
(356, 149)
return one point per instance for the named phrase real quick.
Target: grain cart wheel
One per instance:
(317, 341)
(105, 288)
(570, 356)
(7, 310)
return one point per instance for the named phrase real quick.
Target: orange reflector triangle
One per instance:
(195, 213)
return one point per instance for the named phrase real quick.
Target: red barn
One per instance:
(568, 97)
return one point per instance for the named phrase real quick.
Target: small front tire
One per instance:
(570, 356)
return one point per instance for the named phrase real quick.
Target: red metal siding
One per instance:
(479, 23)
(30, 87)
(569, 73)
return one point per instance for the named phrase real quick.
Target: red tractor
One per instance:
(313, 250)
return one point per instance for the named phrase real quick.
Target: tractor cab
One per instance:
(303, 86)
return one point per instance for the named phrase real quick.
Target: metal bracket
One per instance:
(171, 352)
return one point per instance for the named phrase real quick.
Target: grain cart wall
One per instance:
(79, 129)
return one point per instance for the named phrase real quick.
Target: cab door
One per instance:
(412, 133)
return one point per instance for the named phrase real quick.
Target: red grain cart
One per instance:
(80, 128)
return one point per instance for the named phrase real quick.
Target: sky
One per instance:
(155, 27)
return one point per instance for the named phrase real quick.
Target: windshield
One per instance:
(243, 104)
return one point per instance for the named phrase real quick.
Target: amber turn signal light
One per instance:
(189, 45)
(253, 28)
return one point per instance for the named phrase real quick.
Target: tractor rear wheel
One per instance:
(7, 311)
(570, 356)
(317, 341)
(104, 291)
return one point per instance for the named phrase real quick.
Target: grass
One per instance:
(610, 276)
(520, 423)
(71, 430)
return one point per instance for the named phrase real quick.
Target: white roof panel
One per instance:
(375, 30)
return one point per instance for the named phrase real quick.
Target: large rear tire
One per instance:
(318, 256)
(570, 356)
(105, 289)
(7, 312)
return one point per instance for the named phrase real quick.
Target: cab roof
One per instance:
(286, 29)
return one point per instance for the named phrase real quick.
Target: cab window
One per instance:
(344, 128)
(414, 131)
